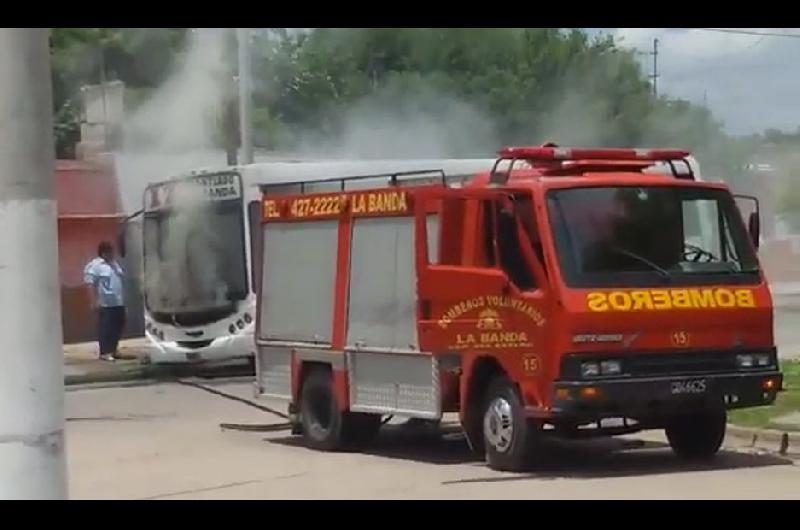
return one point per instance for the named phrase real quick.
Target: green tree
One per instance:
(140, 57)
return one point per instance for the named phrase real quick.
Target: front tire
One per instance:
(508, 436)
(697, 436)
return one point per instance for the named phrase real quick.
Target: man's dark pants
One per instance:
(110, 323)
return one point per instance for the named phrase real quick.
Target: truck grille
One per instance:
(194, 344)
(682, 363)
(655, 364)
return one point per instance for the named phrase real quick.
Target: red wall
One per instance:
(89, 211)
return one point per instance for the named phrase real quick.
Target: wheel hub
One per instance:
(498, 425)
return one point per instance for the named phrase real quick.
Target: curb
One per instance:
(143, 372)
(782, 441)
(154, 373)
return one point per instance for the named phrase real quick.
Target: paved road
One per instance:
(787, 331)
(164, 442)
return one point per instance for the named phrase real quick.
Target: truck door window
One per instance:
(524, 208)
(509, 248)
(483, 233)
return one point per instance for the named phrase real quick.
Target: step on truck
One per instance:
(561, 292)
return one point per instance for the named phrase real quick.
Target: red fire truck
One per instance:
(566, 292)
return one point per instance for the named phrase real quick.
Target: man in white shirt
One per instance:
(104, 279)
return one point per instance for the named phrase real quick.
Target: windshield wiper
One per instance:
(664, 272)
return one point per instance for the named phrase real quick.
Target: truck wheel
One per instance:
(697, 436)
(507, 434)
(323, 422)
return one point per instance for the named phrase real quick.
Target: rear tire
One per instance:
(322, 420)
(324, 425)
(697, 436)
(508, 436)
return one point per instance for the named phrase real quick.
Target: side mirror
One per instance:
(754, 227)
(754, 219)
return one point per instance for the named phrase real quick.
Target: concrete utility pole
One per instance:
(655, 75)
(32, 463)
(655, 67)
(245, 95)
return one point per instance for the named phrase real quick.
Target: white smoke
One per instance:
(173, 132)
(397, 122)
(174, 129)
(186, 274)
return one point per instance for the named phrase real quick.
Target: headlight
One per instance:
(590, 369)
(595, 368)
(763, 359)
(610, 367)
(744, 360)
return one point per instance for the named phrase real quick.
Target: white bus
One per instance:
(198, 282)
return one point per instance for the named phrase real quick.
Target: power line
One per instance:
(746, 32)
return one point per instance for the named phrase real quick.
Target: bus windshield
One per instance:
(618, 236)
(194, 259)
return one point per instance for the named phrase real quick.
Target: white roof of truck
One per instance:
(288, 173)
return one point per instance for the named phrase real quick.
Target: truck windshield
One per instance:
(194, 260)
(618, 236)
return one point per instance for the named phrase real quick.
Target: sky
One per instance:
(750, 83)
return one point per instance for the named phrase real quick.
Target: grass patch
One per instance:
(788, 401)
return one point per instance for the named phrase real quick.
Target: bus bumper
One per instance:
(227, 348)
(657, 397)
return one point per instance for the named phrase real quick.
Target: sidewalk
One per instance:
(785, 288)
(82, 365)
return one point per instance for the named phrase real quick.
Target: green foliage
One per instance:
(533, 84)
(478, 87)
(141, 57)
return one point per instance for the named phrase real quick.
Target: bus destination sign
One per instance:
(217, 187)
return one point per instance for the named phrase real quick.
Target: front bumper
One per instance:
(228, 348)
(646, 398)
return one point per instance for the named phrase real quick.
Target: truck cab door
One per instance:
(480, 283)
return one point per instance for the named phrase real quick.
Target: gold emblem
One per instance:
(489, 319)
(680, 339)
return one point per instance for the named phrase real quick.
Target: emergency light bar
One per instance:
(558, 155)
(545, 154)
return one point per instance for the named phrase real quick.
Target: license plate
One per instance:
(690, 386)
